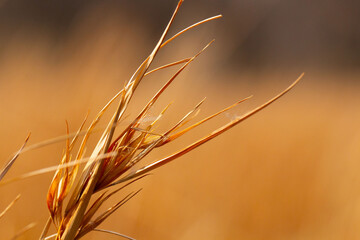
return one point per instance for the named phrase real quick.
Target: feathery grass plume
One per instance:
(112, 160)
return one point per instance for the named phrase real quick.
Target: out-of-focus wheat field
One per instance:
(290, 172)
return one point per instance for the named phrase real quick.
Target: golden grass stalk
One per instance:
(9, 206)
(6, 169)
(10, 163)
(112, 160)
(23, 230)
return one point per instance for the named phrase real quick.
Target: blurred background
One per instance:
(290, 172)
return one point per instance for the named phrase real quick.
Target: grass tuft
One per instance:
(111, 162)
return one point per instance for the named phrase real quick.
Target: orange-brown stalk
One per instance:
(5, 170)
(114, 156)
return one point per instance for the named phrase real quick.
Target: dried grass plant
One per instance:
(112, 161)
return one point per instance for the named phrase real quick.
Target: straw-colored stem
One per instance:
(75, 221)
(46, 229)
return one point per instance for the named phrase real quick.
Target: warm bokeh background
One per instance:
(290, 172)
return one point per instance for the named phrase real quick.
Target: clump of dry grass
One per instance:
(112, 161)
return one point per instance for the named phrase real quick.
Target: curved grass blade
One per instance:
(12, 160)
